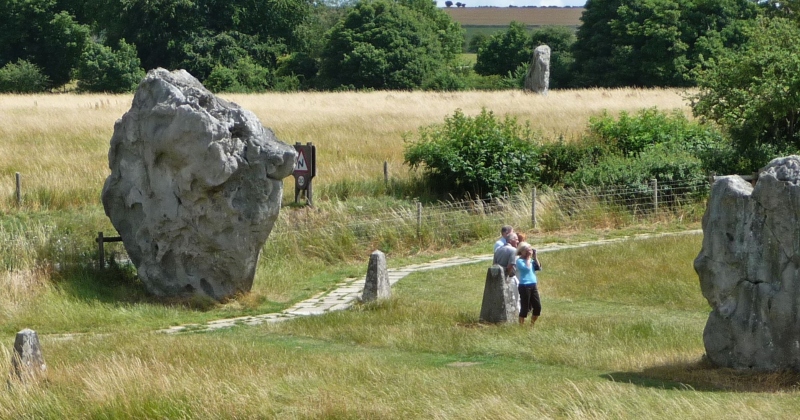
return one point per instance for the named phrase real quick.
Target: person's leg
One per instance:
(536, 304)
(524, 299)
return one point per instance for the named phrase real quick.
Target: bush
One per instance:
(752, 92)
(482, 156)
(559, 159)
(22, 77)
(445, 81)
(631, 134)
(244, 77)
(669, 164)
(101, 69)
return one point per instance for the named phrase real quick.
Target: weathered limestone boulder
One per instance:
(749, 269)
(538, 78)
(195, 187)
(499, 297)
(27, 362)
(376, 284)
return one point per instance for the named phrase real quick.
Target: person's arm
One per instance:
(537, 266)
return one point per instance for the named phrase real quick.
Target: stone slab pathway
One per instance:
(348, 292)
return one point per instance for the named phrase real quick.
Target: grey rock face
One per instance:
(500, 297)
(195, 187)
(749, 269)
(376, 284)
(27, 361)
(538, 78)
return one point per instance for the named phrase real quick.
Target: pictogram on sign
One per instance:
(301, 164)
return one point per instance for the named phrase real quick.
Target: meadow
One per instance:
(621, 335)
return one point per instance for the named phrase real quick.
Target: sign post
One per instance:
(304, 170)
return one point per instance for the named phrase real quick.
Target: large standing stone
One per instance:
(195, 187)
(499, 299)
(538, 77)
(27, 361)
(376, 285)
(749, 269)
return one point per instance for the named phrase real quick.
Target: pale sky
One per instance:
(521, 3)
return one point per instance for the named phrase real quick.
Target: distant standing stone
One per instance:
(377, 284)
(499, 299)
(538, 77)
(27, 361)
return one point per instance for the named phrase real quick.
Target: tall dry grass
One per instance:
(59, 143)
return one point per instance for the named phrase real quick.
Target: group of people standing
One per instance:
(520, 262)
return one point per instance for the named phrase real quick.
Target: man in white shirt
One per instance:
(504, 232)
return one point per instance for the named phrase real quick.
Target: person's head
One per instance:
(505, 231)
(524, 249)
(520, 236)
(512, 239)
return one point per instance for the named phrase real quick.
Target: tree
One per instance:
(504, 51)
(654, 42)
(104, 70)
(162, 29)
(38, 32)
(754, 92)
(560, 40)
(448, 3)
(384, 44)
(22, 77)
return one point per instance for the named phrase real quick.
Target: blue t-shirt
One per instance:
(526, 274)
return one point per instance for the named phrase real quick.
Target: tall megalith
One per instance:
(538, 77)
(749, 269)
(195, 187)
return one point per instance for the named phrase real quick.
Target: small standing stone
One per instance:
(538, 77)
(27, 361)
(377, 284)
(499, 299)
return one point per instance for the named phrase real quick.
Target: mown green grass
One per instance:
(603, 348)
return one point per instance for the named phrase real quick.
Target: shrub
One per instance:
(669, 164)
(482, 155)
(559, 159)
(631, 134)
(244, 77)
(22, 77)
(445, 81)
(101, 69)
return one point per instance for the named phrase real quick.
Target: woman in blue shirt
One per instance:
(527, 266)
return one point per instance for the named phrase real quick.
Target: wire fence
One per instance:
(543, 209)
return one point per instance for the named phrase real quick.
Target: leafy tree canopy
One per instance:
(504, 51)
(384, 44)
(654, 42)
(754, 92)
(41, 33)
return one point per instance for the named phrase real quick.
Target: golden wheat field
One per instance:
(532, 16)
(61, 141)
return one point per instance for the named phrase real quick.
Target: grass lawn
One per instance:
(620, 337)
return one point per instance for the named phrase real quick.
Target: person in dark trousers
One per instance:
(527, 265)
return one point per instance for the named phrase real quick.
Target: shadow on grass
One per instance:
(704, 376)
(118, 283)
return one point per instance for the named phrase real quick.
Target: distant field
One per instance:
(502, 16)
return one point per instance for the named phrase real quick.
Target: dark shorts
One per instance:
(529, 300)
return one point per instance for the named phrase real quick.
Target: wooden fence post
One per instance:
(419, 220)
(386, 172)
(655, 195)
(533, 207)
(19, 188)
(101, 250)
